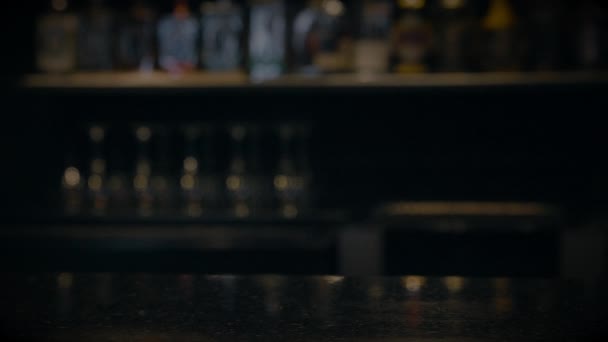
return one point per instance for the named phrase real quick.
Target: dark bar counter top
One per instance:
(145, 307)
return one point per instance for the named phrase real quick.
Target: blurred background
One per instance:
(437, 137)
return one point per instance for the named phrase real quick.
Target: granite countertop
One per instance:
(145, 307)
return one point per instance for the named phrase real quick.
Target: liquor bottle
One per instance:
(267, 36)
(304, 166)
(210, 179)
(143, 171)
(288, 181)
(177, 39)
(97, 182)
(238, 182)
(260, 180)
(162, 183)
(190, 180)
(56, 39)
(454, 35)
(589, 36)
(412, 38)
(321, 41)
(543, 30)
(222, 28)
(500, 50)
(200, 183)
(95, 38)
(71, 187)
(372, 46)
(119, 190)
(135, 39)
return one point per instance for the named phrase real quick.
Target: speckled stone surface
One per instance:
(141, 307)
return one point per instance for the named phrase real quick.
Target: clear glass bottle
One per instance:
(97, 180)
(143, 171)
(289, 181)
(412, 38)
(455, 34)
(95, 48)
(543, 26)
(221, 38)
(238, 181)
(72, 186)
(267, 37)
(190, 173)
(135, 39)
(177, 39)
(321, 40)
(163, 182)
(56, 37)
(119, 190)
(373, 44)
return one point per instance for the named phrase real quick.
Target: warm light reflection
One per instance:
(97, 134)
(454, 284)
(140, 183)
(59, 5)
(375, 291)
(289, 211)
(413, 4)
(413, 283)
(333, 280)
(241, 210)
(281, 182)
(190, 165)
(502, 286)
(71, 177)
(333, 7)
(143, 134)
(452, 4)
(95, 182)
(98, 165)
(503, 302)
(467, 208)
(187, 182)
(233, 183)
(65, 280)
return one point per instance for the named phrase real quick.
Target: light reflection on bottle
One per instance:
(141, 179)
(96, 182)
(72, 185)
(454, 284)
(64, 297)
(413, 284)
(503, 301)
(272, 291)
(375, 291)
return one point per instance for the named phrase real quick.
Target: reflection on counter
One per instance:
(296, 308)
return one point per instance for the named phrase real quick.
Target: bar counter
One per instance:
(145, 307)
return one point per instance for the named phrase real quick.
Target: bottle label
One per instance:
(95, 43)
(177, 43)
(57, 43)
(414, 39)
(267, 41)
(221, 40)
